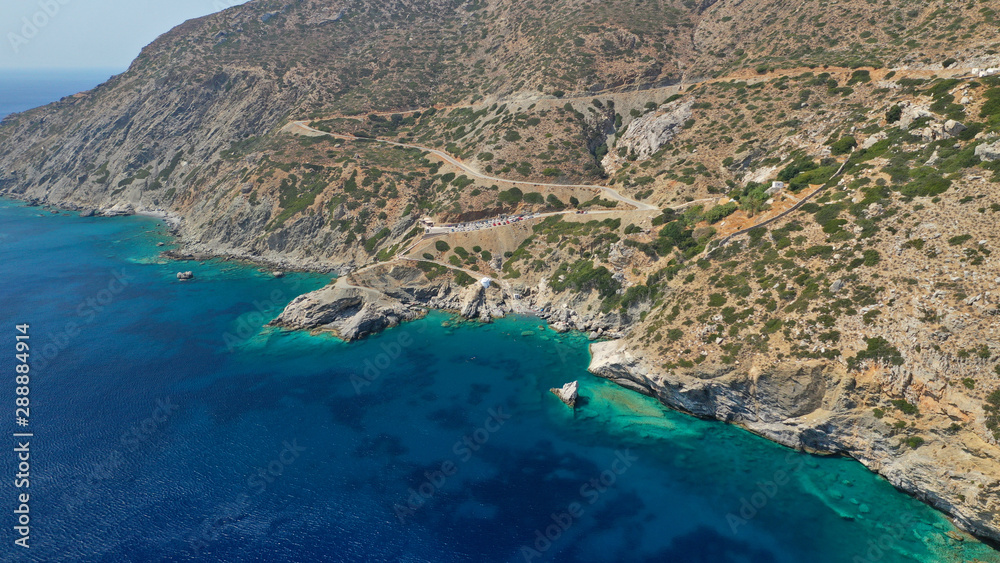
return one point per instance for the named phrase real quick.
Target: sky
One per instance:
(89, 34)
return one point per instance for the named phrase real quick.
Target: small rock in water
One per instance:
(568, 394)
(278, 274)
(161, 244)
(184, 276)
(528, 333)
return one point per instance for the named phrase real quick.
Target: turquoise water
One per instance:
(170, 425)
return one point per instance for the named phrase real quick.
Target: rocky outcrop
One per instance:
(349, 312)
(568, 393)
(562, 320)
(648, 133)
(381, 297)
(989, 152)
(811, 406)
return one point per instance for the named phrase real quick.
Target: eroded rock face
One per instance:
(649, 132)
(813, 407)
(789, 391)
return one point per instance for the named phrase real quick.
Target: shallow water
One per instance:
(174, 427)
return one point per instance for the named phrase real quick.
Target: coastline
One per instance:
(727, 396)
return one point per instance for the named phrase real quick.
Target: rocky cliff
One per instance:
(813, 406)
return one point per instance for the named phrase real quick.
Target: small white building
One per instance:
(776, 187)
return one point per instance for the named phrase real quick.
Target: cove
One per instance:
(171, 425)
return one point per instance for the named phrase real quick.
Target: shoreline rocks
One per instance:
(568, 393)
(811, 406)
(351, 313)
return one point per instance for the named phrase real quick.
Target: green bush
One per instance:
(720, 212)
(905, 407)
(461, 278)
(533, 197)
(371, 243)
(843, 145)
(582, 276)
(879, 349)
(442, 246)
(992, 409)
(512, 196)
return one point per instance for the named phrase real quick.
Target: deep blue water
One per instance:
(21, 90)
(171, 426)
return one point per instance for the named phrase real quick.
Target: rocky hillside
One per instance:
(808, 247)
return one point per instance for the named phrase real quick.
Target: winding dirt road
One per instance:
(302, 128)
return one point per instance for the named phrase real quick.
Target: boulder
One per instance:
(989, 152)
(472, 299)
(184, 276)
(953, 128)
(568, 393)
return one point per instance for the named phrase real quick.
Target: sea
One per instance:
(165, 421)
(23, 89)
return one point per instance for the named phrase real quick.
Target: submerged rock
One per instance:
(560, 327)
(568, 393)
